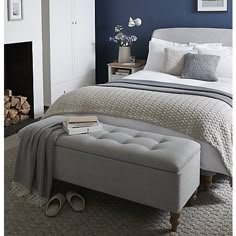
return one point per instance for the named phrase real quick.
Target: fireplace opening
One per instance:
(18, 78)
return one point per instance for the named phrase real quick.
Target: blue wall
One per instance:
(154, 14)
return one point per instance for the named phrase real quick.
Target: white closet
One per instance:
(68, 46)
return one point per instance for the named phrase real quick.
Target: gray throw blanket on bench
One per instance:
(35, 160)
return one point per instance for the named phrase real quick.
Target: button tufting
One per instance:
(155, 147)
(112, 131)
(163, 141)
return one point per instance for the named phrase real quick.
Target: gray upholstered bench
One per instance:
(152, 169)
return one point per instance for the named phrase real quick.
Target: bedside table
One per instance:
(120, 70)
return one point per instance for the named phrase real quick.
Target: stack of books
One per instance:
(81, 124)
(122, 72)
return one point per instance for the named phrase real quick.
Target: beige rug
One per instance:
(109, 216)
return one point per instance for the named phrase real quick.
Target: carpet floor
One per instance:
(13, 129)
(110, 216)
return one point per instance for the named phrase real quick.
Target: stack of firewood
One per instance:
(16, 108)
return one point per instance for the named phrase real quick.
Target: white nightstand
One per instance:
(119, 70)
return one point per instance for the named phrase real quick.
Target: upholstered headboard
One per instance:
(195, 35)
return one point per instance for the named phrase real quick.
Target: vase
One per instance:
(124, 54)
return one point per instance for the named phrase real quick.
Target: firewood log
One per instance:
(14, 101)
(16, 120)
(22, 99)
(8, 92)
(25, 105)
(5, 111)
(7, 122)
(7, 105)
(18, 106)
(6, 98)
(24, 117)
(12, 113)
(25, 111)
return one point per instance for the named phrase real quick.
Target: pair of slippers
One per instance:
(55, 204)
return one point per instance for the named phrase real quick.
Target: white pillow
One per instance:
(156, 56)
(224, 68)
(175, 60)
(207, 45)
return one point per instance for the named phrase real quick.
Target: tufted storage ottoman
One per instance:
(148, 168)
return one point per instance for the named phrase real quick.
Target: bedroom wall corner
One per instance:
(154, 14)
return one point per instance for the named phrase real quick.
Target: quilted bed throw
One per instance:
(203, 118)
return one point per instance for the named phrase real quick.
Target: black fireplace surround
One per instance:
(18, 71)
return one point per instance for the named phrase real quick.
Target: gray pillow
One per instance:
(200, 67)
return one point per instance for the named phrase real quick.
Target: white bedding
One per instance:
(223, 84)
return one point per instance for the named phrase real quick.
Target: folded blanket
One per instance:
(171, 88)
(35, 160)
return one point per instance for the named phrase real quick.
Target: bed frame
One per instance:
(195, 35)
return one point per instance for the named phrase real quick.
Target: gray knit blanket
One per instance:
(204, 118)
(33, 174)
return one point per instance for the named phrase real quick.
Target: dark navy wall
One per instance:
(154, 14)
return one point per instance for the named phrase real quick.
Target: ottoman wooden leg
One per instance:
(174, 221)
(206, 182)
(192, 199)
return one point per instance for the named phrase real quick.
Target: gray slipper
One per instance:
(54, 205)
(76, 201)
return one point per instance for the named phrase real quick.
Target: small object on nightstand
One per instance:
(120, 70)
(132, 60)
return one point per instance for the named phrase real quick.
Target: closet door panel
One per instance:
(60, 40)
(83, 41)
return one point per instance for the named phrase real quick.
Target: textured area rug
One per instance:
(110, 216)
(13, 129)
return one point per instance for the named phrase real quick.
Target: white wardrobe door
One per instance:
(60, 43)
(83, 40)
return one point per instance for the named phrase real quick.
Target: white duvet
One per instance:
(223, 84)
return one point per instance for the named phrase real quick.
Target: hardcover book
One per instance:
(81, 130)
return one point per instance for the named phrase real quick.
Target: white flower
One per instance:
(121, 38)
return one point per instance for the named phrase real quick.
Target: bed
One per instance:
(156, 102)
(211, 160)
